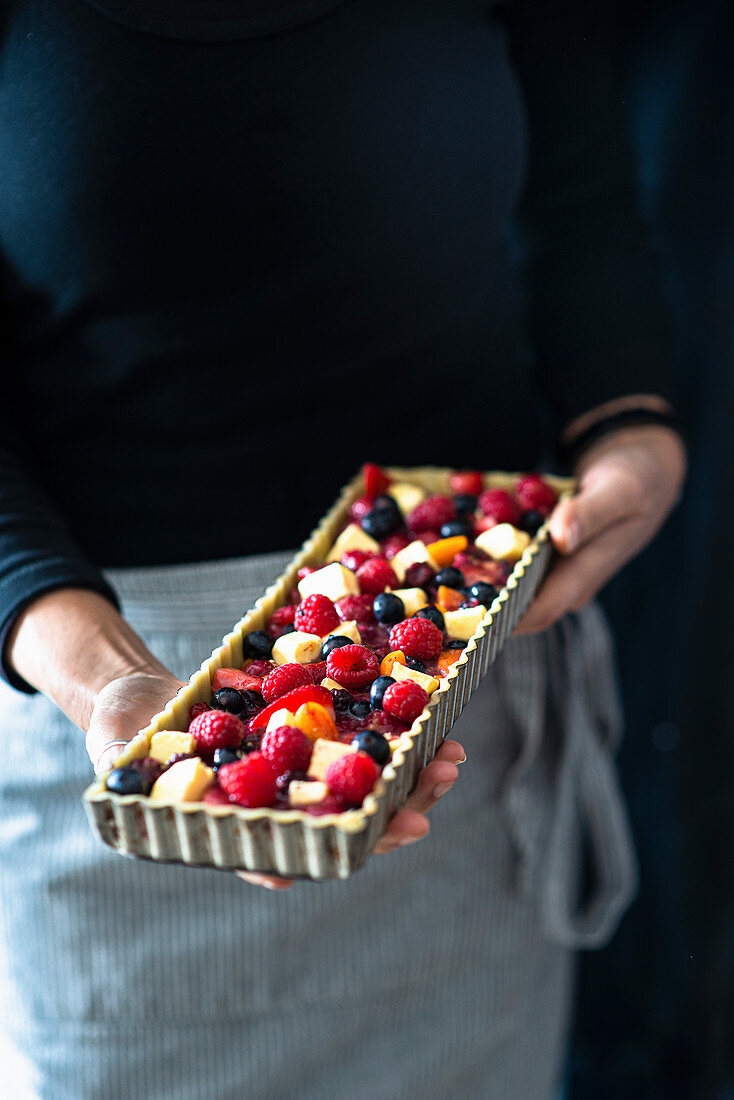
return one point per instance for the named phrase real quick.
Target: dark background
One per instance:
(656, 1009)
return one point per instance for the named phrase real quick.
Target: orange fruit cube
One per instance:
(448, 599)
(448, 658)
(315, 721)
(388, 661)
(444, 551)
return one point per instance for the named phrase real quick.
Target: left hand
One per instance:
(409, 824)
(629, 481)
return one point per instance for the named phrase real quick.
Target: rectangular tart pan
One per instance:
(291, 842)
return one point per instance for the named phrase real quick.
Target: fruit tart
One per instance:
(290, 748)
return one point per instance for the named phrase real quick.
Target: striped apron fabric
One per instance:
(442, 970)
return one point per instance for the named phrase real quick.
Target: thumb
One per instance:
(607, 494)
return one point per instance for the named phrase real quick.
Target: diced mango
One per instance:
(406, 496)
(444, 551)
(352, 538)
(325, 753)
(349, 629)
(503, 542)
(402, 672)
(462, 624)
(185, 781)
(412, 554)
(282, 717)
(413, 599)
(168, 743)
(301, 792)
(333, 580)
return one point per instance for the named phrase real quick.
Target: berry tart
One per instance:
(291, 747)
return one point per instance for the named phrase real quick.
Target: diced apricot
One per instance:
(315, 721)
(444, 551)
(448, 658)
(448, 599)
(388, 661)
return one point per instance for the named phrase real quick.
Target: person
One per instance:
(246, 245)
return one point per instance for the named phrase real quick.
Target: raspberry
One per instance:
(360, 508)
(352, 665)
(375, 576)
(352, 559)
(405, 700)
(217, 729)
(393, 544)
(250, 782)
(316, 615)
(375, 481)
(466, 482)
(317, 671)
(358, 608)
(500, 506)
(259, 668)
(284, 679)
(306, 571)
(330, 805)
(215, 796)
(417, 638)
(280, 620)
(287, 748)
(352, 777)
(534, 495)
(432, 513)
(196, 710)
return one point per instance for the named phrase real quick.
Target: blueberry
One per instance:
(258, 644)
(251, 743)
(284, 781)
(374, 744)
(455, 643)
(252, 702)
(381, 522)
(452, 578)
(483, 592)
(224, 756)
(456, 527)
(334, 641)
(360, 708)
(378, 689)
(228, 699)
(388, 608)
(342, 700)
(125, 781)
(433, 615)
(386, 503)
(465, 503)
(415, 664)
(530, 521)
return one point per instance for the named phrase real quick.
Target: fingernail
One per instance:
(462, 761)
(409, 840)
(441, 789)
(572, 537)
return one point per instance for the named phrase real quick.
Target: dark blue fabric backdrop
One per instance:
(656, 1009)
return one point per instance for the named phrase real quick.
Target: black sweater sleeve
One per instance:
(596, 315)
(37, 551)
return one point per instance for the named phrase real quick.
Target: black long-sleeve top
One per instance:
(246, 246)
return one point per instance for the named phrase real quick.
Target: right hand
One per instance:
(122, 708)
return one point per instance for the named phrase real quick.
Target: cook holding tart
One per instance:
(246, 245)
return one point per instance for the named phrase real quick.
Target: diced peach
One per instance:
(448, 658)
(448, 599)
(445, 550)
(315, 721)
(389, 661)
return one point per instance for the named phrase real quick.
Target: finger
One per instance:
(575, 581)
(406, 827)
(609, 494)
(270, 882)
(104, 753)
(451, 751)
(434, 781)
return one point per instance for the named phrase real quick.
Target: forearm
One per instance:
(70, 643)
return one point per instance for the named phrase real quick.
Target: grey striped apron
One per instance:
(442, 970)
